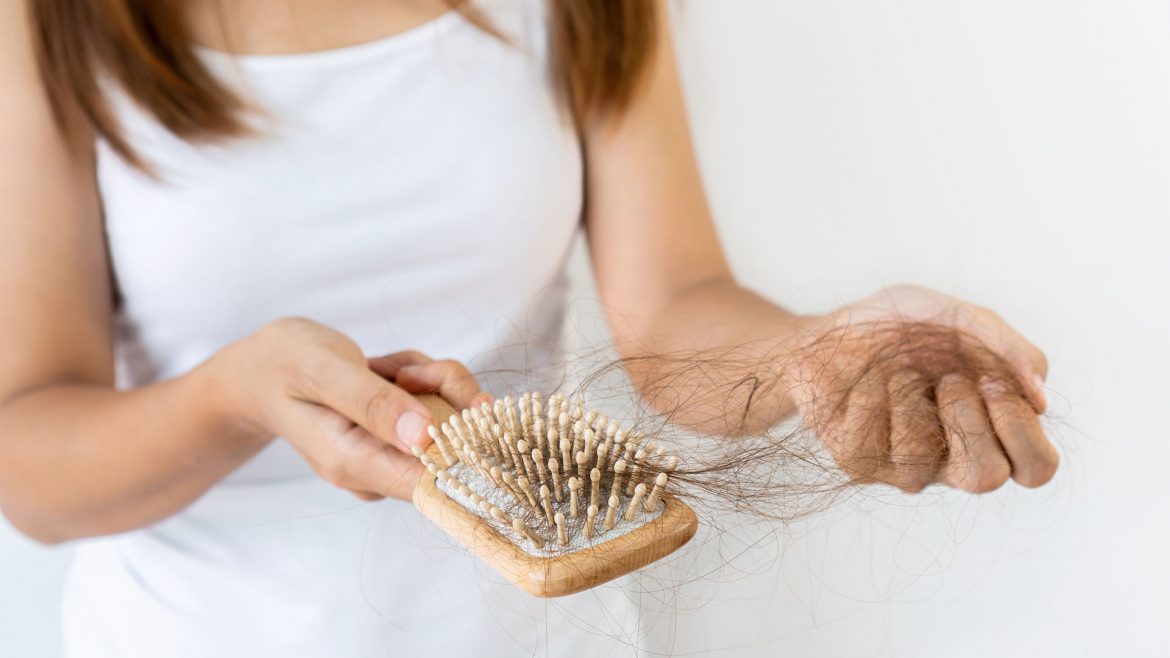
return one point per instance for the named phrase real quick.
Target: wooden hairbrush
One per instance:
(556, 499)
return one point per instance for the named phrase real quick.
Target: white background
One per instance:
(1013, 153)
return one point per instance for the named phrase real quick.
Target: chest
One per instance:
(433, 171)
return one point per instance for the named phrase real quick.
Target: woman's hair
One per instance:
(599, 48)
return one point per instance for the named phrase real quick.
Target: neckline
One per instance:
(340, 55)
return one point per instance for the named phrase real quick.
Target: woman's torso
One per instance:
(418, 191)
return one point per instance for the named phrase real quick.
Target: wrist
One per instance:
(222, 408)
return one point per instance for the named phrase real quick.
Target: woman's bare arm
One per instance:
(76, 457)
(79, 458)
(667, 288)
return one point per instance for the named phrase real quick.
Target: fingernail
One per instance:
(412, 428)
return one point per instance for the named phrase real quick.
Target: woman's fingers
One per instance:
(348, 456)
(448, 378)
(860, 440)
(916, 437)
(1026, 359)
(1033, 458)
(418, 373)
(975, 460)
(388, 366)
(383, 409)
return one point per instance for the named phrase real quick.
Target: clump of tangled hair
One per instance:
(779, 469)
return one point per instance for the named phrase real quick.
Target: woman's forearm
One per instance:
(80, 460)
(719, 347)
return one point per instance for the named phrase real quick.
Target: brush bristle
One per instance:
(549, 477)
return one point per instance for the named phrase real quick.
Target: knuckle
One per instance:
(912, 483)
(413, 356)
(984, 314)
(862, 470)
(334, 470)
(951, 385)
(287, 326)
(989, 477)
(449, 365)
(380, 409)
(1038, 472)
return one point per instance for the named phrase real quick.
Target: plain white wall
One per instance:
(1013, 153)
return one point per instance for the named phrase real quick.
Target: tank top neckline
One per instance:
(340, 56)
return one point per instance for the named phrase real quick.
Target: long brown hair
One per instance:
(599, 48)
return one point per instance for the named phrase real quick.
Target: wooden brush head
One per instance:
(556, 499)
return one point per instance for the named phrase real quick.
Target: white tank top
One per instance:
(416, 192)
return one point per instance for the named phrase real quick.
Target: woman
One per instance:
(226, 223)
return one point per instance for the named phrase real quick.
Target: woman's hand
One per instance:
(354, 419)
(910, 387)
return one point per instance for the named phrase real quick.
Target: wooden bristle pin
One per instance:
(525, 531)
(512, 488)
(510, 411)
(554, 407)
(525, 405)
(595, 491)
(526, 487)
(611, 513)
(465, 416)
(636, 502)
(450, 437)
(546, 503)
(562, 536)
(563, 424)
(513, 452)
(578, 440)
(554, 469)
(538, 433)
(590, 445)
(526, 457)
(574, 497)
(590, 519)
(553, 443)
(444, 448)
(582, 462)
(538, 462)
(460, 432)
(639, 459)
(619, 439)
(499, 515)
(656, 493)
(566, 454)
(619, 469)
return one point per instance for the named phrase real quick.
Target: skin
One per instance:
(353, 417)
